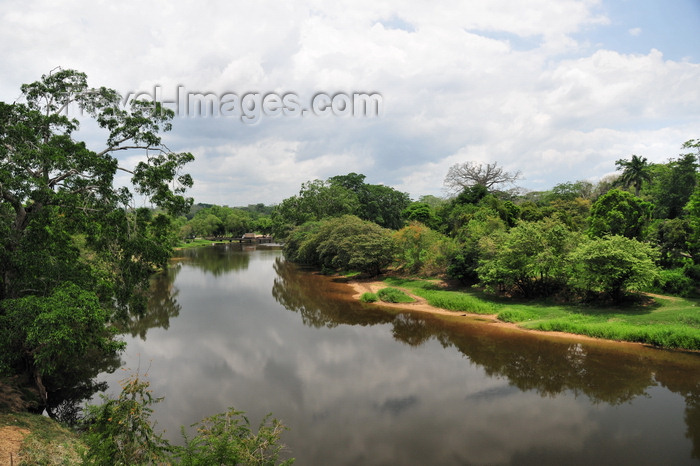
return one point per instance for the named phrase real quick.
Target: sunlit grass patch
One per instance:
(394, 295)
(195, 243)
(669, 322)
(444, 299)
(369, 297)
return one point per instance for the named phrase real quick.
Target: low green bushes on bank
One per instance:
(394, 295)
(195, 243)
(668, 322)
(369, 297)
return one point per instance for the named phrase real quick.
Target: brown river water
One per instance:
(361, 385)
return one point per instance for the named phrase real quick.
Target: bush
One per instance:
(612, 265)
(422, 250)
(119, 432)
(394, 295)
(675, 282)
(341, 243)
(228, 439)
(369, 297)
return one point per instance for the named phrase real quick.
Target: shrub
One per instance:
(612, 265)
(394, 295)
(422, 250)
(369, 297)
(675, 282)
(227, 438)
(119, 432)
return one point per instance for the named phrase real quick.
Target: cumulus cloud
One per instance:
(484, 81)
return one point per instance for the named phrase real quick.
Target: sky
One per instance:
(558, 90)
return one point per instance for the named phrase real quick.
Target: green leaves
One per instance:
(530, 258)
(120, 432)
(67, 229)
(51, 333)
(613, 265)
(619, 213)
(346, 243)
(341, 195)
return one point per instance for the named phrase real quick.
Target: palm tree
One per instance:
(634, 172)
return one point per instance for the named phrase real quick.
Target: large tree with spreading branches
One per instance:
(465, 175)
(75, 253)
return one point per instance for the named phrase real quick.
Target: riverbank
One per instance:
(659, 321)
(27, 438)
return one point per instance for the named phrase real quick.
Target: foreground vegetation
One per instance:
(45, 442)
(120, 432)
(668, 322)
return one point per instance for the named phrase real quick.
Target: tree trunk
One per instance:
(40, 385)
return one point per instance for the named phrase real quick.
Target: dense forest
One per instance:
(638, 230)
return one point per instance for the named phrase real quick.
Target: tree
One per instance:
(464, 175)
(350, 243)
(634, 172)
(672, 236)
(421, 212)
(340, 195)
(619, 213)
(43, 167)
(377, 203)
(316, 200)
(53, 336)
(383, 205)
(531, 258)
(422, 250)
(478, 223)
(612, 265)
(344, 243)
(692, 210)
(67, 228)
(673, 188)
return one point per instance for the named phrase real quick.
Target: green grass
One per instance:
(394, 295)
(668, 322)
(195, 243)
(451, 300)
(369, 297)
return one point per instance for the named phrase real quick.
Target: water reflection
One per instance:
(321, 302)
(271, 337)
(218, 259)
(604, 372)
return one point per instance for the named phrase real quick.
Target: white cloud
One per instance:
(496, 81)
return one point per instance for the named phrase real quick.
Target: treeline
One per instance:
(205, 220)
(636, 231)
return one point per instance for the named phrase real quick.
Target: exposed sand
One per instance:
(421, 305)
(11, 438)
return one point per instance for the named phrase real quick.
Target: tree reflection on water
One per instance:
(602, 371)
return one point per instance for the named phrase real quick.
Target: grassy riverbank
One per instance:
(34, 439)
(663, 321)
(195, 243)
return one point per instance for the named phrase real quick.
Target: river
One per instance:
(361, 385)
